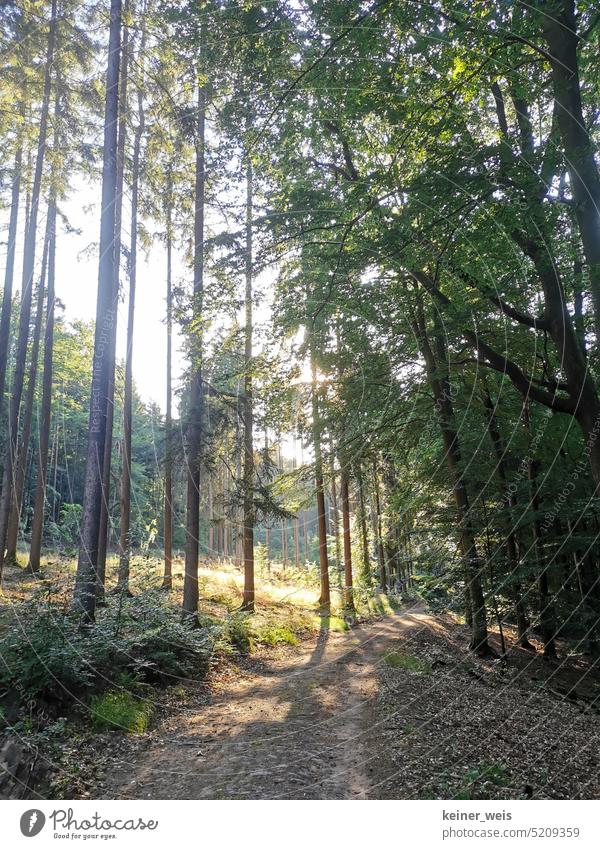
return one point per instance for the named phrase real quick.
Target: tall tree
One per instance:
(37, 526)
(125, 542)
(103, 528)
(194, 425)
(106, 310)
(168, 500)
(9, 270)
(248, 463)
(8, 482)
(12, 533)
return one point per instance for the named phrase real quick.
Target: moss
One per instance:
(408, 662)
(117, 710)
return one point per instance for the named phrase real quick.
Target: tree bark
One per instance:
(379, 532)
(440, 386)
(125, 536)
(325, 596)
(168, 505)
(364, 532)
(46, 405)
(248, 479)
(106, 308)
(512, 547)
(345, 499)
(560, 30)
(26, 295)
(9, 272)
(546, 606)
(14, 521)
(194, 429)
(104, 529)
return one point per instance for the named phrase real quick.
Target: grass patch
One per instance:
(271, 635)
(408, 662)
(330, 623)
(120, 711)
(480, 781)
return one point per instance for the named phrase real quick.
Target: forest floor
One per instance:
(394, 707)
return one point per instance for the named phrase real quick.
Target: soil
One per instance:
(297, 725)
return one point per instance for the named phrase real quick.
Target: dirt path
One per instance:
(298, 728)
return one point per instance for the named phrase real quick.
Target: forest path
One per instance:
(298, 727)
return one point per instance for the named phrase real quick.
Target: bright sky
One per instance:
(77, 284)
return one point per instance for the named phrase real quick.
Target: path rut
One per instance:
(300, 727)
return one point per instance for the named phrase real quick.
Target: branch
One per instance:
(499, 362)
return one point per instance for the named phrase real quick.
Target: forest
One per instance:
(361, 240)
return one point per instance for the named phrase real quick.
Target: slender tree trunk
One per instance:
(26, 296)
(440, 385)
(511, 540)
(125, 536)
(194, 430)
(168, 506)
(106, 309)
(325, 597)
(305, 551)
(9, 273)
(12, 534)
(105, 512)
(546, 607)
(335, 518)
(267, 476)
(248, 480)
(46, 405)
(383, 580)
(345, 499)
(364, 533)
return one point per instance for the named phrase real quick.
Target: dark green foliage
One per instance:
(47, 660)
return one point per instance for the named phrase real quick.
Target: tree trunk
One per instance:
(345, 499)
(560, 30)
(104, 529)
(168, 506)
(106, 310)
(46, 406)
(248, 479)
(440, 386)
(9, 273)
(364, 532)
(379, 532)
(125, 536)
(26, 295)
(335, 519)
(325, 596)
(12, 534)
(546, 607)
(194, 430)
(511, 540)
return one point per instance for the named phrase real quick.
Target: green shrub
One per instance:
(47, 659)
(236, 633)
(118, 710)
